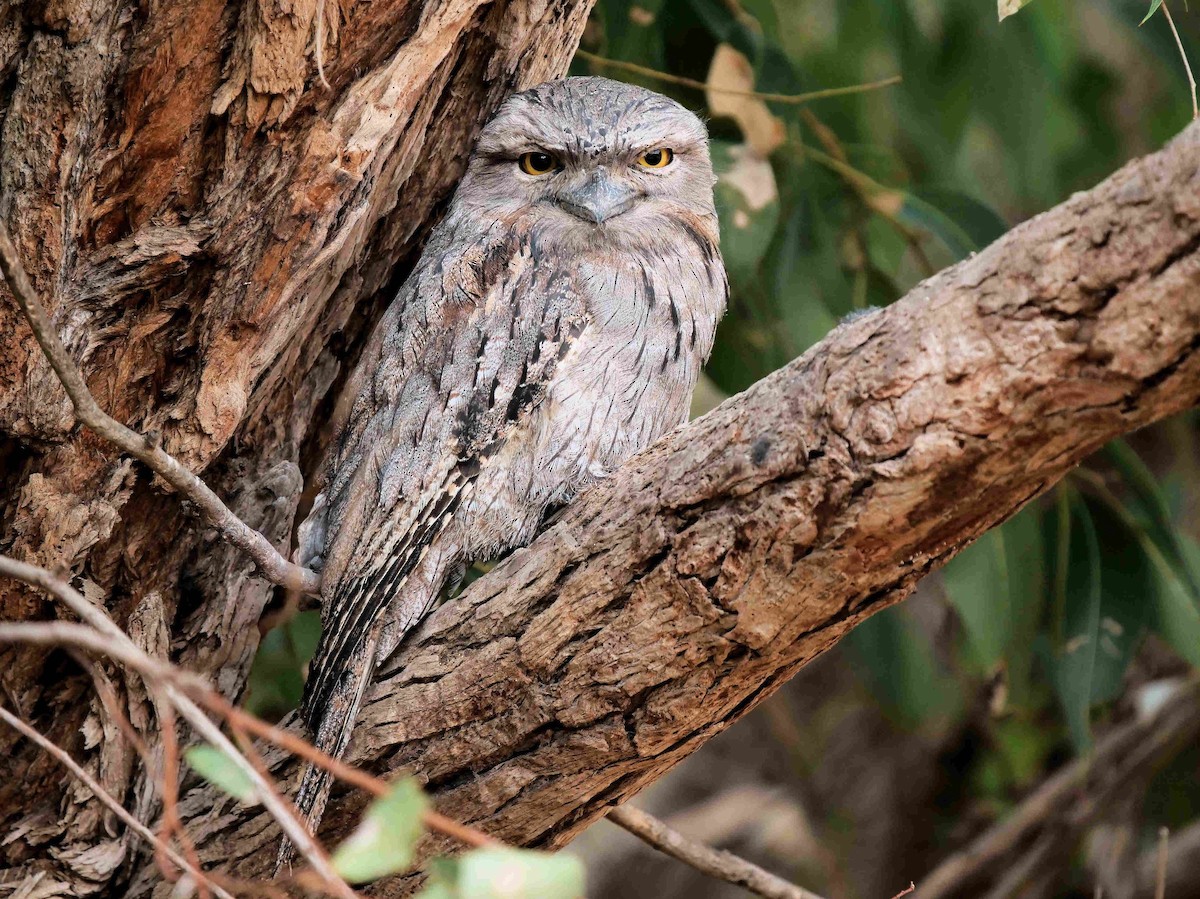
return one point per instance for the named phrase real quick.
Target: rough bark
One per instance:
(670, 600)
(213, 231)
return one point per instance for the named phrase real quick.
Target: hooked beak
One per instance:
(597, 199)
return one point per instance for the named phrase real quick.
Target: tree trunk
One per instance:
(214, 231)
(205, 217)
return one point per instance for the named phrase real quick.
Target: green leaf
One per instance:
(1141, 552)
(384, 840)
(1153, 9)
(1114, 589)
(897, 663)
(1007, 8)
(215, 766)
(977, 583)
(1173, 614)
(997, 586)
(926, 217)
(980, 223)
(518, 874)
(1161, 529)
(276, 682)
(442, 882)
(1080, 602)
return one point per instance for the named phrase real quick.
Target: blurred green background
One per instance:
(1034, 641)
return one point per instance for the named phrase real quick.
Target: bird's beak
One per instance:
(597, 199)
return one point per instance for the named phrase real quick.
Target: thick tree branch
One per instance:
(212, 234)
(670, 600)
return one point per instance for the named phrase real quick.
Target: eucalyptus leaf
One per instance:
(1160, 528)
(1080, 603)
(215, 766)
(898, 664)
(997, 586)
(385, 839)
(1154, 5)
(519, 874)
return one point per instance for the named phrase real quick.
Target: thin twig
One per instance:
(273, 565)
(65, 633)
(172, 825)
(1164, 835)
(1186, 65)
(356, 777)
(713, 862)
(668, 78)
(1134, 747)
(120, 646)
(110, 801)
(911, 888)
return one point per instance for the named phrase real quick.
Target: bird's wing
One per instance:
(463, 355)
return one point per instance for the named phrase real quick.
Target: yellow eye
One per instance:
(656, 159)
(537, 163)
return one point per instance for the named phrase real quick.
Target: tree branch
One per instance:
(713, 862)
(674, 597)
(1059, 810)
(274, 566)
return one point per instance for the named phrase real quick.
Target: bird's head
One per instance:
(593, 157)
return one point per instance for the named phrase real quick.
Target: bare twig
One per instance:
(1186, 65)
(89, 637)
(121, 647)
(668, 78)
(273, 565)
(172, 826)
(713, 862)
(912, 886)
(110, 801)
(1130, 749)
(354, 776)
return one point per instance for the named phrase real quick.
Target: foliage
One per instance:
(385, 842)
(215, 766)
(385, 839)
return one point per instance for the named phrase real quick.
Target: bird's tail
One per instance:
(331, 735)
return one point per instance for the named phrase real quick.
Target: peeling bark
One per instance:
(670, 600)
(214, 232)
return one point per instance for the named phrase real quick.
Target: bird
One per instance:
(555, 324)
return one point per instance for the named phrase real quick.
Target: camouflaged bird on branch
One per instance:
(555, 325)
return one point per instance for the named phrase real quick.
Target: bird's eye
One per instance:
(656, 159)
(537, 163)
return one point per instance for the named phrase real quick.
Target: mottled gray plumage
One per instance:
(554, 326)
